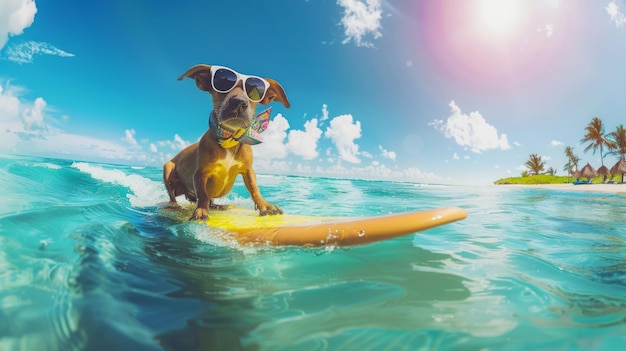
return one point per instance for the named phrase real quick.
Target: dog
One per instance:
(207, 169)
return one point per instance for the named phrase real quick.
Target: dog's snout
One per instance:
(237, 104)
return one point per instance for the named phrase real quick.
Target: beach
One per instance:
(619, 189)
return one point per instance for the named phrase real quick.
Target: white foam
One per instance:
(220, 237)
(147, 192)
(48, 165)
(426, 185)
(143, 191)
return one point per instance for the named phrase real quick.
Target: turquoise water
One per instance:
(88, 261)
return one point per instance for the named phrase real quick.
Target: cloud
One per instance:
(33, 117)
(386, 153)
(26, 127)
(555, 143)
(176, 144)
(360, 19)
(304, 143)
(273, 145)
(456, 156)
(129, 137)
(342, 132)
(616, 15)
(26, 51)
(324, 112)
(471, 131)
(21, 120)
(15, 16)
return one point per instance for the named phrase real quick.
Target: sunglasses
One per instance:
(224, 79)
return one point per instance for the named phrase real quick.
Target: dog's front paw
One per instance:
(270, 210)
(199, 214)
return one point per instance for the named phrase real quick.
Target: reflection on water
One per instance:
(528, 269)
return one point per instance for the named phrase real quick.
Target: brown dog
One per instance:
(207, 169)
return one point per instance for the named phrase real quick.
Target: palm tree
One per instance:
(596, 138)
(551, 171)
(535, 164)
(572, 161)
(618, 138)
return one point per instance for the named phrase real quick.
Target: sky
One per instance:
(431, 91)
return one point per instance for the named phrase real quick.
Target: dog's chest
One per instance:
(229, 161)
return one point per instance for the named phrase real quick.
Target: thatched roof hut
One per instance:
(588, 172)
(619, 168)
(603, 170)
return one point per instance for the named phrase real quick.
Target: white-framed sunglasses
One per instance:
(224, 79)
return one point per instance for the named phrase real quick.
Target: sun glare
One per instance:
(498, 19)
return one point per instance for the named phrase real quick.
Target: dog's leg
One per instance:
(249, 179)
(168, 172)
(201, 212)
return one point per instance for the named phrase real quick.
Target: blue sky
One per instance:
(437, 91)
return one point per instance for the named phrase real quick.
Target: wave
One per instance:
(144, 192)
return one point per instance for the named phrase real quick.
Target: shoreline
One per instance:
(618, 189)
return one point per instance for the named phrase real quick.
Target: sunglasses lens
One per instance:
(224, 80)
(255, 88)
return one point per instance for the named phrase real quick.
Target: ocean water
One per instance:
(90, 261)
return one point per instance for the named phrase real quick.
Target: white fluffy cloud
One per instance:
(324, 112)
(386, 153)
(304, 143)
(555, 143)
(360, 19)
(129, 137)
(342, 132)
(471, 131)
(175, 145)
(21, 120)
(616, 15)
(27, 127)
(15, 16)
(25, 52)
(33, 117)
(273, 145)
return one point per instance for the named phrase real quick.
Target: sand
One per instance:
(619, 189)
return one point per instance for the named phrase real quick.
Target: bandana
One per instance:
(250, 136)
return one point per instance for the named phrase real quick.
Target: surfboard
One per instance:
(247, 227)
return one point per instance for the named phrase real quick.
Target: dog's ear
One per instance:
(275, 92)
(201, 74)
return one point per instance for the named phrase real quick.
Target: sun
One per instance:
(498, 19)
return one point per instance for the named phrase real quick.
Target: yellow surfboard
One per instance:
(247, 227)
